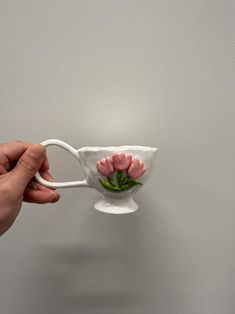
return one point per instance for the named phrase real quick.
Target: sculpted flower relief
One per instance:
(105, 166)
(136, 169)
(121, 161)
(121, 172)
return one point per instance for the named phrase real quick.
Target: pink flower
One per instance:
(136, 169)
(121, 161)
(105, 166)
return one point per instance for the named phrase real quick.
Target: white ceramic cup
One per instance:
(117, 172)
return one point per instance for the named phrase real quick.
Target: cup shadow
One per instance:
(79, 278)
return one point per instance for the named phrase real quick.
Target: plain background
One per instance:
(111, 72)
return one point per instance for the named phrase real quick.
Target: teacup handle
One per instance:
(55, 185)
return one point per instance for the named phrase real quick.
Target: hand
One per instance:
(19, 162)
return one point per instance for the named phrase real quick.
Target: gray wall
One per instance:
(110, 73)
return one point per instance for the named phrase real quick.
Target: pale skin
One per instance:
(19, 162)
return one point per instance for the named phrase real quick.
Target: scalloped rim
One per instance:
(116, 148)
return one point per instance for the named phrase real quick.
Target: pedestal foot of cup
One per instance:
(116, 205)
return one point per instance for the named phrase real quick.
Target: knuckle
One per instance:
(28, 165)
(4, 161)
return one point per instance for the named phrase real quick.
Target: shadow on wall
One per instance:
(111, 270)
(78, 277)
(97, 274)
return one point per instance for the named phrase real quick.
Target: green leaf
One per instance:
(112, 187)
(119, 178)
(127, 186)
(137, 182)
(106, 185)
(111, 181)
(130, 185)
(125, 180)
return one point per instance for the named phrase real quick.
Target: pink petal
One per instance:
(136, 169)
(105, 166)
(121, 161)
(109, 164)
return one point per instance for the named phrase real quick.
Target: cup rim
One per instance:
(116, 148)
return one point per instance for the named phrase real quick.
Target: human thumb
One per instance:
(27, 166)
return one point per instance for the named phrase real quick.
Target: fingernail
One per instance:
(57, 197)
(36, 151)
(47, 176)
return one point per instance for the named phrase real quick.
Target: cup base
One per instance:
(116, 205)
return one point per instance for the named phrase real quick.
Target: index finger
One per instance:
(13, 150)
